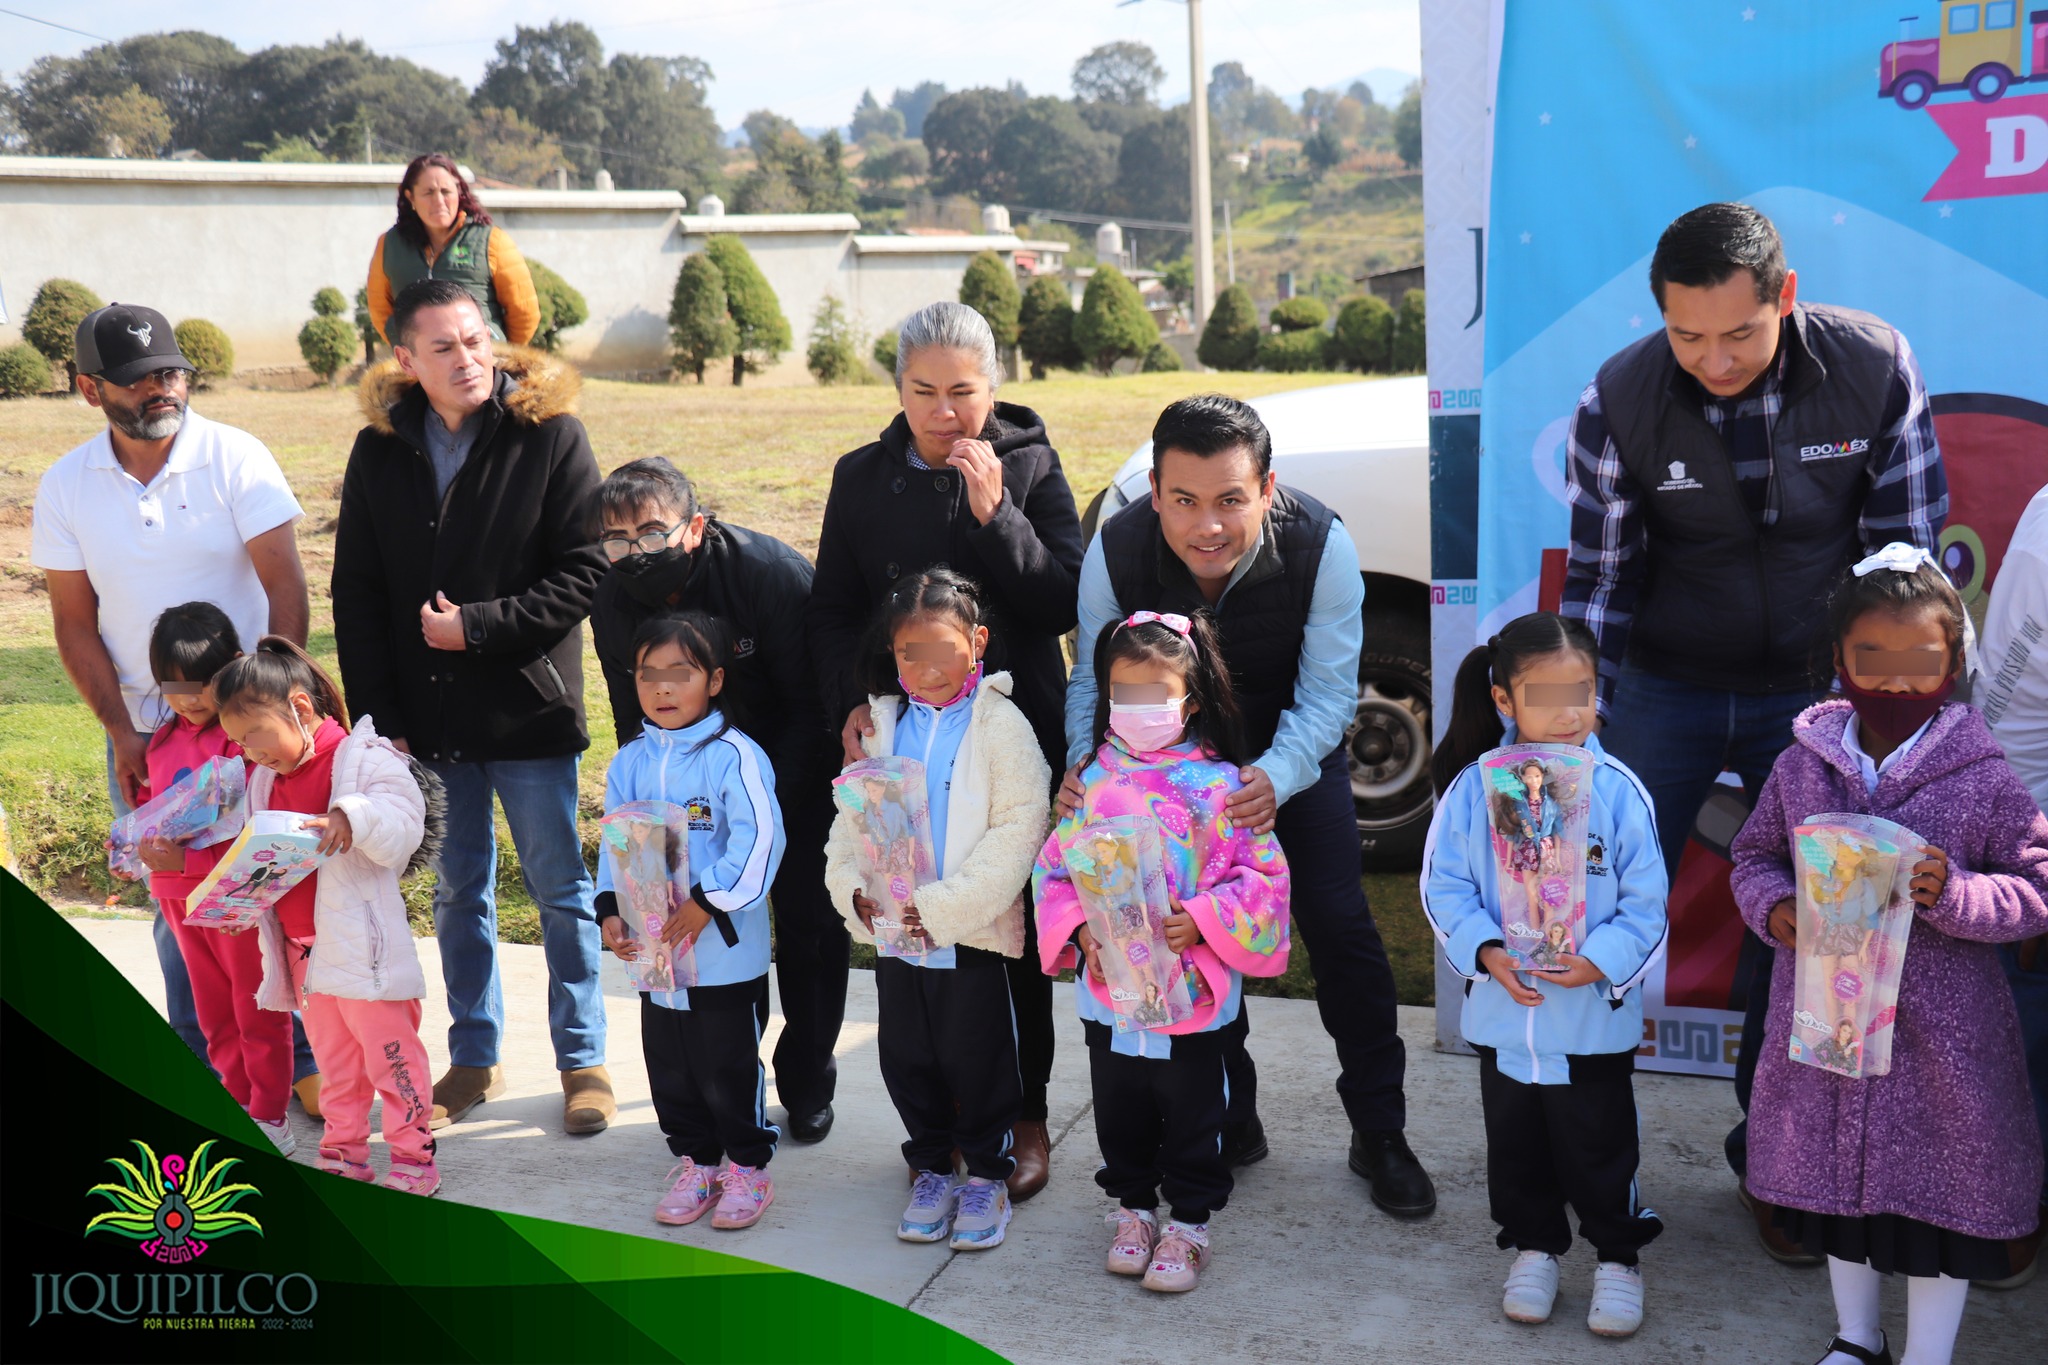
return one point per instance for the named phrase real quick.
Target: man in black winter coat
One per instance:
(668, 555)
(962, 481)
(463, 570)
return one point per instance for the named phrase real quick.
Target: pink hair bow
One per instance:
(1172, 620)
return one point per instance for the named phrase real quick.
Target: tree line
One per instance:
(551, 100)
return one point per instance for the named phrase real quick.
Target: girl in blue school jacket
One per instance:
(702, 1041)
(1557, 1046)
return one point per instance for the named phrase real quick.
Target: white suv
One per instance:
(1362, 448)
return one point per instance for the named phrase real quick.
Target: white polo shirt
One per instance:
(184, 538)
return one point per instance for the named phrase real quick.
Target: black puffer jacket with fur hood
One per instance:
(510, 544)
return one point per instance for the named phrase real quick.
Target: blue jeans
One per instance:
(539, 796)
(184, 1015)
(1678, 738)
(2030, 995)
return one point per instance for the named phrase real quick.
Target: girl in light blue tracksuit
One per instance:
(702, 1042)
(1556, 1048)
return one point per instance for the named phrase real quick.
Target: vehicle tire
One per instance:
(1913, 89)
(1988, 82)
(1388, 741)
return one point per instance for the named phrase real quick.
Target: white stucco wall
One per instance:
(246, 245)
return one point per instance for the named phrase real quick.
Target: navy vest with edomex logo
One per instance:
(1727, 601)
(1262, 617)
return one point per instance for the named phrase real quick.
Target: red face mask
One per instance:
(1894, 716)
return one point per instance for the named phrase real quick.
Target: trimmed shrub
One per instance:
(329, 303)
(1364, 338)
(1045, 327)
(699, 331)
(562, 306)
(884, 353)
(1295, 352)
(834, 353)
(1230, 340)
(1161, 359)
(24, 371)
(990, 288)
(209, 350)
(328, 343)
(366, 328)
(1411, 351)
(51, 323)
(760, 332)
(1113, 324)
(1300, 313)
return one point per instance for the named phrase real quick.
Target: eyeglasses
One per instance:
(652, 543)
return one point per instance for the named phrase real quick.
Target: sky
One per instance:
(808, 60)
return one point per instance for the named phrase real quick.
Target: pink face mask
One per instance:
(1148, 728)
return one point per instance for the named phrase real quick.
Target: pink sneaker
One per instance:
(748, 1192)
(689, 1195)
(343, 1167)
(413, 1179)
(1178, 1259)
(1131, 1250)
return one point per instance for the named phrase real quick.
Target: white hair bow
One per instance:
(1899, 557)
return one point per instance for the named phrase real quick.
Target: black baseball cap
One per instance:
(124, 341)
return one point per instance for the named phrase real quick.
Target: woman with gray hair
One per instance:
(961, 480)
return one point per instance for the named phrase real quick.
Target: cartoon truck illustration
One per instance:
(1979, 46)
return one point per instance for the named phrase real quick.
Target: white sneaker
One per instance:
(1532, 1287)
(1617, 1300)
(280, 1133)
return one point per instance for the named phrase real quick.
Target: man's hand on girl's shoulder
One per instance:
(1253, 807)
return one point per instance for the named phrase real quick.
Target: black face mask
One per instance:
(653, 579)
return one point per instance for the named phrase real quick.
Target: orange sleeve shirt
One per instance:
(512, 282)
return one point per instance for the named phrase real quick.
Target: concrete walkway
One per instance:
(1305, 1270)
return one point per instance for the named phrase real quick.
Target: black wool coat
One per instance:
(510, 543)
(885, 519)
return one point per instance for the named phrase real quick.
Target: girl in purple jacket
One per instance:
(1928, 1170)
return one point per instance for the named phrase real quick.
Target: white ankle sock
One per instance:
(1856, 1288)
(1934, 1314)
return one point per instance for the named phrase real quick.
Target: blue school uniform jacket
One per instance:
(736, 838)
(1625, 925)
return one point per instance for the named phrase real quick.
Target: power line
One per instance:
(51, 23)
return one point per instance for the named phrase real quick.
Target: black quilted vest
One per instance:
(1726, 601)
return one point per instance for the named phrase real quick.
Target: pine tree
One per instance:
(1045, 329)
(1230, 341)
(698, 329)
(1113, 323)
(990, 288)
(760, 331)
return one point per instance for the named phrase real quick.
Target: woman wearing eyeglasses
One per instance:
(667, 555)
(443, 233)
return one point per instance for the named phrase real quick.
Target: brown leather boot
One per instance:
(587, 1102)
(463, 1088)
(1032, 1149)
(307, 1088)
(1777, 1245)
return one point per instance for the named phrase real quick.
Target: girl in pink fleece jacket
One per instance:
(1172, 746)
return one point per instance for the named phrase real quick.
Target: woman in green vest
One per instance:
(443, 233)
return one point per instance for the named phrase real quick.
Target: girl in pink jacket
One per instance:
(1172, 746)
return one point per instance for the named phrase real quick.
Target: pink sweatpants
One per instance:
(366, 1048)
(249, 1046)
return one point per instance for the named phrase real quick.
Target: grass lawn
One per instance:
(762, 457)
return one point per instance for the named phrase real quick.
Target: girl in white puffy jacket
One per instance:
(946, 1035)
(337, 945)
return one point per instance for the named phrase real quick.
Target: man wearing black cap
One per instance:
(161, 508)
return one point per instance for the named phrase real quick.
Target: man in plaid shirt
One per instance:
(1724, 472)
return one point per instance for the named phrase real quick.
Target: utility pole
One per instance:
(1229, 252)
(1198, 157)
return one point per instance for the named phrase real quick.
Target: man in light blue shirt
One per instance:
(1280, 578)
